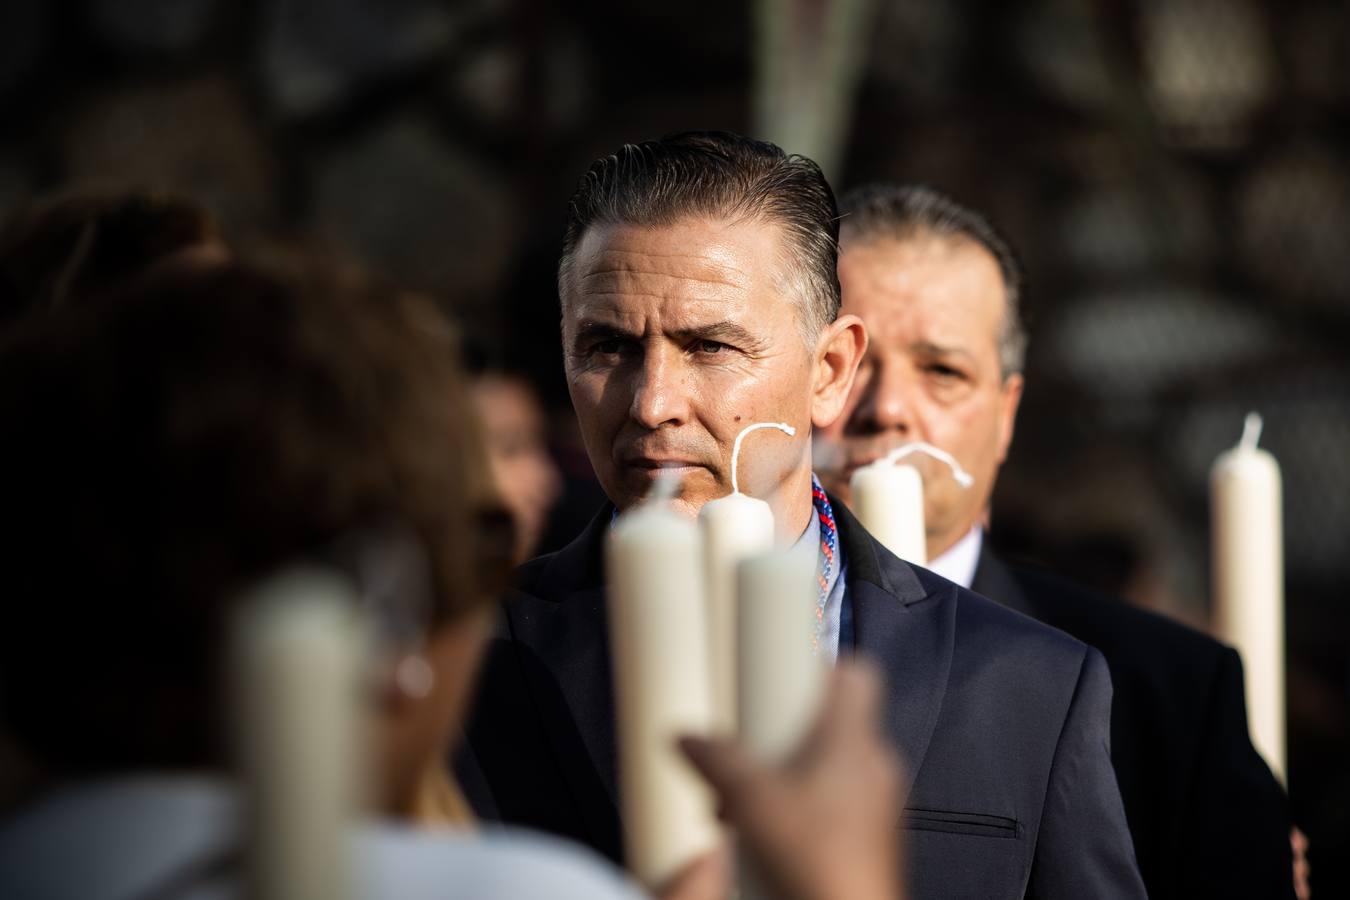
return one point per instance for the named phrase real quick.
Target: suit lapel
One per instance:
(561, 627)
(905, 628)
(995, 581)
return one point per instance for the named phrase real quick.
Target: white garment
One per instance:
(133, 837)
(959, 562)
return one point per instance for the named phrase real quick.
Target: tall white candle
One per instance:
(659, 638)
(781, 681)
(888, 500)
(298, 658)
(1248, 575)
(734, 527)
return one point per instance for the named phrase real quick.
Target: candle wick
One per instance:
(963, 478)
(736, 447)
(1251, 431)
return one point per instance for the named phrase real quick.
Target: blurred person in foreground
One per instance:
(515, 436)
(168, 447)
(940, 292)
(698, 295)
(57, 251)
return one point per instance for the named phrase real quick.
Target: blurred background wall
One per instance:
(1173, 172)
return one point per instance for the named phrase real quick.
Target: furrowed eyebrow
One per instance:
(931, 349)
(724, 332)
(600, 331)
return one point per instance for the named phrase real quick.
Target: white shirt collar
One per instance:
(958, 564)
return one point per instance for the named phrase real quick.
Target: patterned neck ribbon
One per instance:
(829, 546)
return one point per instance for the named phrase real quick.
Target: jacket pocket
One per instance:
(961, 823)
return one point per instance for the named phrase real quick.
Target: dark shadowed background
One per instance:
(1173, 172)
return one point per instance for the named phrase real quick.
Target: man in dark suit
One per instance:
(699, 295)
(938, 289)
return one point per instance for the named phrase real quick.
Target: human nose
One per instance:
(660, 396)
(886, 405)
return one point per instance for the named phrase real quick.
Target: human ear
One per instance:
(839, 350)
(1010, 397)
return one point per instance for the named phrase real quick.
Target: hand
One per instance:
(825, 823)
(708, 877)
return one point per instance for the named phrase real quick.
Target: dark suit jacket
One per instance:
(1002, 721)
(1208, 817)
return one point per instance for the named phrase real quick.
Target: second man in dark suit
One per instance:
(939, 290)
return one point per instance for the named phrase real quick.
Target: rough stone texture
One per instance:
(1294, 221)
(419, 210)
(1137, 343)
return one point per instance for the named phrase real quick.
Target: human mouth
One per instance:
(652, 466)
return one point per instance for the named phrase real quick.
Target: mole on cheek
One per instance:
(738, 418)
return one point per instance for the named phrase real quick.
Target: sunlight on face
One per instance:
(934, 308)
(676, 337)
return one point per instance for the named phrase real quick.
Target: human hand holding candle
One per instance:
(1248, 573)
(734, 527)
(819, 822)
(888, 499)
(659, 637)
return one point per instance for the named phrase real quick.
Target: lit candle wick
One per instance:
(736, 447)
(963, 478)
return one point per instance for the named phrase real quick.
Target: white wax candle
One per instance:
(734, 527)
(888, 501)
(659, 637)
(781, 681)
(1248, 575)
(298, 659)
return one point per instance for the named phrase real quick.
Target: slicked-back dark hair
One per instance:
(905, 211)
(717, 174)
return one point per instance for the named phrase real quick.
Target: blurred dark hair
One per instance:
(171, 445)
(904, 211)
(59, 250)
(722, 175)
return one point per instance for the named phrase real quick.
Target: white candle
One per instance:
(888, 501)
(734, 527)
(659, 638)
(298, 659)
(781, 681)
(1248, 574)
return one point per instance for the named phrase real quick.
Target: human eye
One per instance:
(608, 346)
(711, 347)
(944, 372)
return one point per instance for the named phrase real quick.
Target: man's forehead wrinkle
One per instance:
(678, 266)
(937, 349)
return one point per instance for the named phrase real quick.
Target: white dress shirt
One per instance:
(959, 562)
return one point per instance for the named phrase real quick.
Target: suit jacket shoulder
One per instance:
(1002, 721)
(1206, 814)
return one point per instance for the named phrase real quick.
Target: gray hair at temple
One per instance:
(718, 174)
(903, 212)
